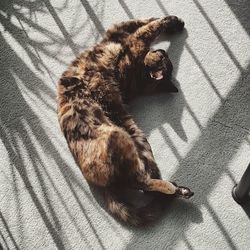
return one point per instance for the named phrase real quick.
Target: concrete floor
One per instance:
(200, 136)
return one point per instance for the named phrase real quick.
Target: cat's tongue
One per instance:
(157, 75)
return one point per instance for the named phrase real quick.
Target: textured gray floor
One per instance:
(200, 136)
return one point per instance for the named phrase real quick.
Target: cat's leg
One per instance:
(166, 187)
(145, 35)
(125, 28)
(153, 183)
(167, 24)
(143, 147)
(149, 172)
(125, 120)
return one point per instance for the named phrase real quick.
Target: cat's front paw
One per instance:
(173, 24)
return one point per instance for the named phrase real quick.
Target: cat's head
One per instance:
(157, 72)
(158, 64)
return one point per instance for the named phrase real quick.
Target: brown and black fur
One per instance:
(112, 152)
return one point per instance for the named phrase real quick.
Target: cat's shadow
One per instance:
(152, 112)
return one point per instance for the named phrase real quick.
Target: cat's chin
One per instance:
(157, 75)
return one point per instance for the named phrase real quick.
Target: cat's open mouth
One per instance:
(157, 75)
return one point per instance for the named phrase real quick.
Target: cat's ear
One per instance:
(167, 86)
(171, 87)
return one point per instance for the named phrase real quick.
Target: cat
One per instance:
(92, 95)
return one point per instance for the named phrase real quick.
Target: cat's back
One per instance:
(89, 83)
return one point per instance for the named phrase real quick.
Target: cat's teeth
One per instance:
(157, 75)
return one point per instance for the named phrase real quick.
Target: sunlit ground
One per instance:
(200, 136)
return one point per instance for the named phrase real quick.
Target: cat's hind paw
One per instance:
(184, 192)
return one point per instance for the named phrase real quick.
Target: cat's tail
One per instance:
(130, 214)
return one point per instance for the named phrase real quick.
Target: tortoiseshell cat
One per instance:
(111, 151)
